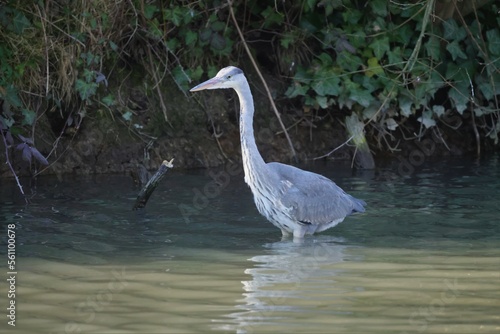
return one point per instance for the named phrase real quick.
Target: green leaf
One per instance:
(373, 67)
(358, 39)
(395, 58)
(310, 5)
(191, 37)
(176, 15)
(460, 98)
(455, 50)
(493, 37)
(352, 16)
(127, 116)
(348, 61)
(327, 85)
(438, 110)
(218, 42)
(12, 97)
(20, 22)
(326, 59)
(487, 90)
(271, 17)
(362, 97)
(196, 73)
(181, 77)
(405, 105)
(433, 48)
(322, 101)
(172, 44)
(218, 26)
(113, 46)
(380, 46)
(379, 7)
(29, 116)
(296, 89)
(452, 32)
(391, 124)
(108, 100)
(85, 89)
(426, 119)
(403, 35)
(149, 11)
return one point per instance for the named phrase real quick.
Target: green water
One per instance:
(424, 258)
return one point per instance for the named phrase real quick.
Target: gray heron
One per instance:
(298, 202)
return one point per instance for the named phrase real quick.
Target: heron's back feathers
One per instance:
(311, 198)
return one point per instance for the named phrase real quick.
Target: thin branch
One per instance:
(336, 148)
(7, 161)
(269, 95)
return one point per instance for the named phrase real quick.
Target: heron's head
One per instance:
(228, 77)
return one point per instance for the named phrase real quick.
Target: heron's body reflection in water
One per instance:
(287, 283)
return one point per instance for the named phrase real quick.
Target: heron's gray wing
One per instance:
(312, 198)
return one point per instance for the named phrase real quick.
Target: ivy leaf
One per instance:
(327, 86)
(196, 73)
(149, 11)
(218, 42)
(296, 90)
(181, 78)
(272, 17)
(20, 22)
(362, 97)
(108, 100)
(127, 116)
(493, 37)
(426, 119)
(29, 116)
(452, 32)
(12, 97)
(391, 124)
(113, 46)
(374, 67)
(395, 58)
(487, 90)
(380, 46)
(322, 101)
(348, 61)
(405, 104)
(455, 50)
(438, 110)
(379, 7)
(175, 15)
(460, 99)
(191, 37)
(433, 48)
(404, 34)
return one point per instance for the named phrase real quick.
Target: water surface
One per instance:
(425, 257)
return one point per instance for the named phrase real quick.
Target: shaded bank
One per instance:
(202, 131)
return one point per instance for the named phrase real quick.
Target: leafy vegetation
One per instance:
(389, 62)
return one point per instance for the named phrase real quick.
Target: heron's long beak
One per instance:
(209, 84)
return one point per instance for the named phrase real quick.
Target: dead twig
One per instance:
(153, 182)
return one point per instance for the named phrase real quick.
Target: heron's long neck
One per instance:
(254, 166)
